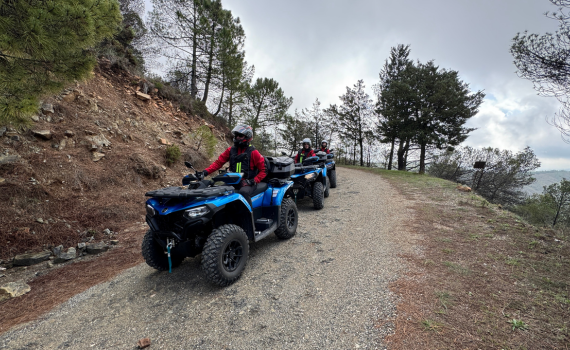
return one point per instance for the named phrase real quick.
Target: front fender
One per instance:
(277, 195)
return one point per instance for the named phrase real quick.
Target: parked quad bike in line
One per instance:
(218, 222)
(310, 180)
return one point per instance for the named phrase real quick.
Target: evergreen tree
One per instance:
(292, 131)
(545, 60)
(393, 106)
(44, 45)
(354, 116)
(267, 104)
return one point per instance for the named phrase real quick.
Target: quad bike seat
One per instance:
(183, 192)
(261, 187)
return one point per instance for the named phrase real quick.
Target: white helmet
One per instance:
(307, 140)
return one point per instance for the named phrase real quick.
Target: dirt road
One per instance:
(326, 288)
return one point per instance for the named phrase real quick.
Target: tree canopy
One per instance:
(44, 44)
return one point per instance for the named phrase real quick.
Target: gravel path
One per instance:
(326, 288)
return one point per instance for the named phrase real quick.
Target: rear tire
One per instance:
(332, 176)
(225, 254)
(318, 195)
(288, 219)
(327, 192)
(155, 256)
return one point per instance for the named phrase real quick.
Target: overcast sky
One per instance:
(314, 49)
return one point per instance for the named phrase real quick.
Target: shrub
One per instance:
(172, 154)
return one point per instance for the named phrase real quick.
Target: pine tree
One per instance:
(267, 104)
(44, 45)
(354, 116)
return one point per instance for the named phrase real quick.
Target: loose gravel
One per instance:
(326, 288)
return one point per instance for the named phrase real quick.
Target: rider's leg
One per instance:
(246, 192)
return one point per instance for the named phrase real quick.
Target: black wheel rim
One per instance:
(291, 219)
(232, 256)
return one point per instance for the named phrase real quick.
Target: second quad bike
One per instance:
(211, 218)
(310, 180)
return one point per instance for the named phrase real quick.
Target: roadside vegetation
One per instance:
(485, 278)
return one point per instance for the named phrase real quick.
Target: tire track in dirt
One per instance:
(325, 288)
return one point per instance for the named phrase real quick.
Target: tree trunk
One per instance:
(193, 83)
(221, 100)
(230, 108)
(423, 159)
(210, 60)
(391, 154)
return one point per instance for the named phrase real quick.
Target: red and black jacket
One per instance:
(326, 150)
(304, 154)
(245, 160)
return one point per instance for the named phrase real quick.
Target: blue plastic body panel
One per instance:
(240, 175)
(274, 195)
(166, 208)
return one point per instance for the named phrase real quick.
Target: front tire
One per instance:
(288, 219)
(318, 195)
(155, 256)
(327, 187)
(225, 254)
(333, 178)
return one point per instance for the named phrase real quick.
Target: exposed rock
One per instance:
(145, 167)
(44, 134)
(57, 250)
(2, 180)
(98, 156)
(40, 220)
(62, 144)
(97, 248)
(47, 108)
(13, 290)
(31, 258)
(36, 118)
(81, 246)
(69, 97)
(9, 159)
(464, 188)
(15, 138)
(163, 141)
(99, 140)
(107, 231)
(69, 133)
(143, 97)
(2, 131)
(114, 241)
(143, 343)
(89, 132)
(63, 257)
(49, 264)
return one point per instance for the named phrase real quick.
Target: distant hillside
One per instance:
(545, 178)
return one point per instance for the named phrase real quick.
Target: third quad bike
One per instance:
(216, 221)
(310, 179)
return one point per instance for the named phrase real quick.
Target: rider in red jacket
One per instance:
(324, 147)
(305, 152)
(243, 158)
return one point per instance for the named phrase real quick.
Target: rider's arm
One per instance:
(218, 163)
(311, 154)
(297, 158)
(259, 164)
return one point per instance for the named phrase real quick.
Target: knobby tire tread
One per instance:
(154, 255)
(282, 231)
(212, 251)
(318, 195)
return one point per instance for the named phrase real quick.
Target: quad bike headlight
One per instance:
(310, 176)
(150, 211)
(196, 212)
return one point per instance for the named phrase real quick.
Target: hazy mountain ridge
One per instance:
(546, 178)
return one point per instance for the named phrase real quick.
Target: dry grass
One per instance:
(485, 279)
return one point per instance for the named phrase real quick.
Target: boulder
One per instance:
(57, 250)
(99, 140)
(9, 159)
(98, 156)
(44, 134)
(143, 97)
(66, 256)
(47, 108)
(97, 248)
(13, 290)
(31, 258)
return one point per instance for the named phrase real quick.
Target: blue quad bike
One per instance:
(210, 217)
(328, 160)
(310, 180)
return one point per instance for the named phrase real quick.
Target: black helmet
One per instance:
(246, 131)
